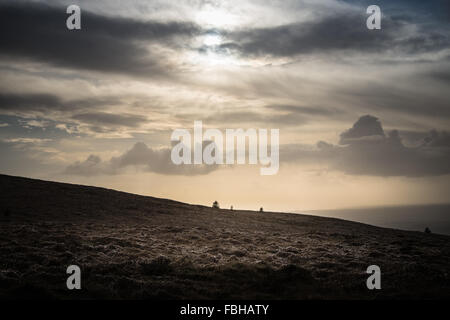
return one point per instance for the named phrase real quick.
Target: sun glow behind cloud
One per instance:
(212, 40)
(211, 17)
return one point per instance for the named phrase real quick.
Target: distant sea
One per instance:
(415, 218)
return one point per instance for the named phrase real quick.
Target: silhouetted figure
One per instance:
(427, 230)
(261, 209)
(215, 205)
(231, 208)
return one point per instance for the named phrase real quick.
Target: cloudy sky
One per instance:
(363, 114)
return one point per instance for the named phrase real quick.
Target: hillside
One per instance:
(131, 246)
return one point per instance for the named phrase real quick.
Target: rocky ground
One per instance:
(131, 246)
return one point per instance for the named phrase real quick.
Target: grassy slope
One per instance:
(130, 246)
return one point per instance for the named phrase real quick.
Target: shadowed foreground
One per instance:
(130, 246)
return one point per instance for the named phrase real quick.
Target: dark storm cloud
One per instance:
(42, 102)
(367, 150)
(29, 102)
(366, 126)
(88, 167)
(437, 139)
(38, 32)
(338, 32)
(441, 75)
(139, 156)
(110, 119)
(389, 157)
(30, 106)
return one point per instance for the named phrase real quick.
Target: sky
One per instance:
(363, 114)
